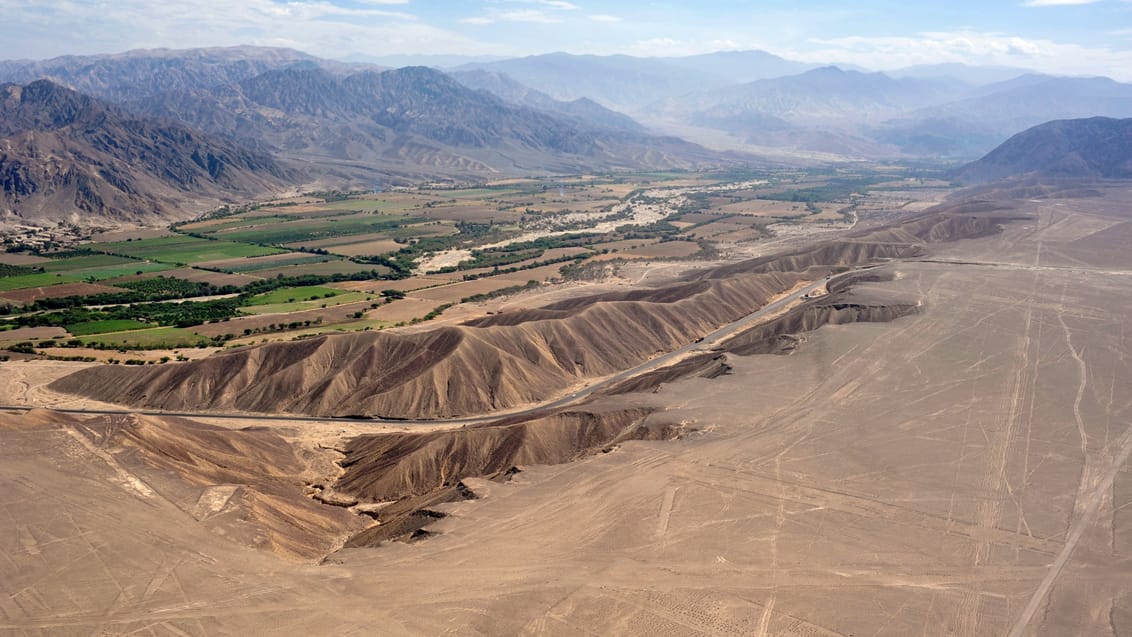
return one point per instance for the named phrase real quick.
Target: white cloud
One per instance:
(968, 47)
(50, 27)
(1056, 3)
(527, 15)
(319, 9)
(604, 17)
(546, 15)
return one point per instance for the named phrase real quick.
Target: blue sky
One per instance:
(1060, 36)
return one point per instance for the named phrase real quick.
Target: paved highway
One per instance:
(705, 343)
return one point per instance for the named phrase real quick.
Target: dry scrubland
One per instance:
(943, 452)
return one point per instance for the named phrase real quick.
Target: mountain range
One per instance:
(166, 133)
(877, 115)
(823, 109)
(143, 73)
(122, 138)
(628, 83)
(416, 123)
(754, 101)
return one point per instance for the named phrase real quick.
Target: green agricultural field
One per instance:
(399, 206)
(155, 338)
(292, 294)
(298, 305)
(184, 249)
(238, 222)
(97, 267)
(126, 269)
(84, 262)
(307, 212)
(355, 204)
(322, 269)
(307, 229)
(349, 205)
(42, 279)
(431, 229)
(102, 327)
(252, 265)
(665, 175)
(478, 193)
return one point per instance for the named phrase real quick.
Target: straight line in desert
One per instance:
(1082, 523)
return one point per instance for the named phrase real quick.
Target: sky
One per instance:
(1080, 37)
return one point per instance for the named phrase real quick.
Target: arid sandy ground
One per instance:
(961, 471)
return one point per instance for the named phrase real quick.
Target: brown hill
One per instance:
(504, 360)
(469, 369)
(64, 155)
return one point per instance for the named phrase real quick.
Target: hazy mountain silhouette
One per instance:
(1093, 148)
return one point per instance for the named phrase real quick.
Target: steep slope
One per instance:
(502, 360)
(413, 122)
(1093, 148)
(64, 155)
(142, 73)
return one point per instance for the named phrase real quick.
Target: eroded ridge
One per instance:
(512, 359)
